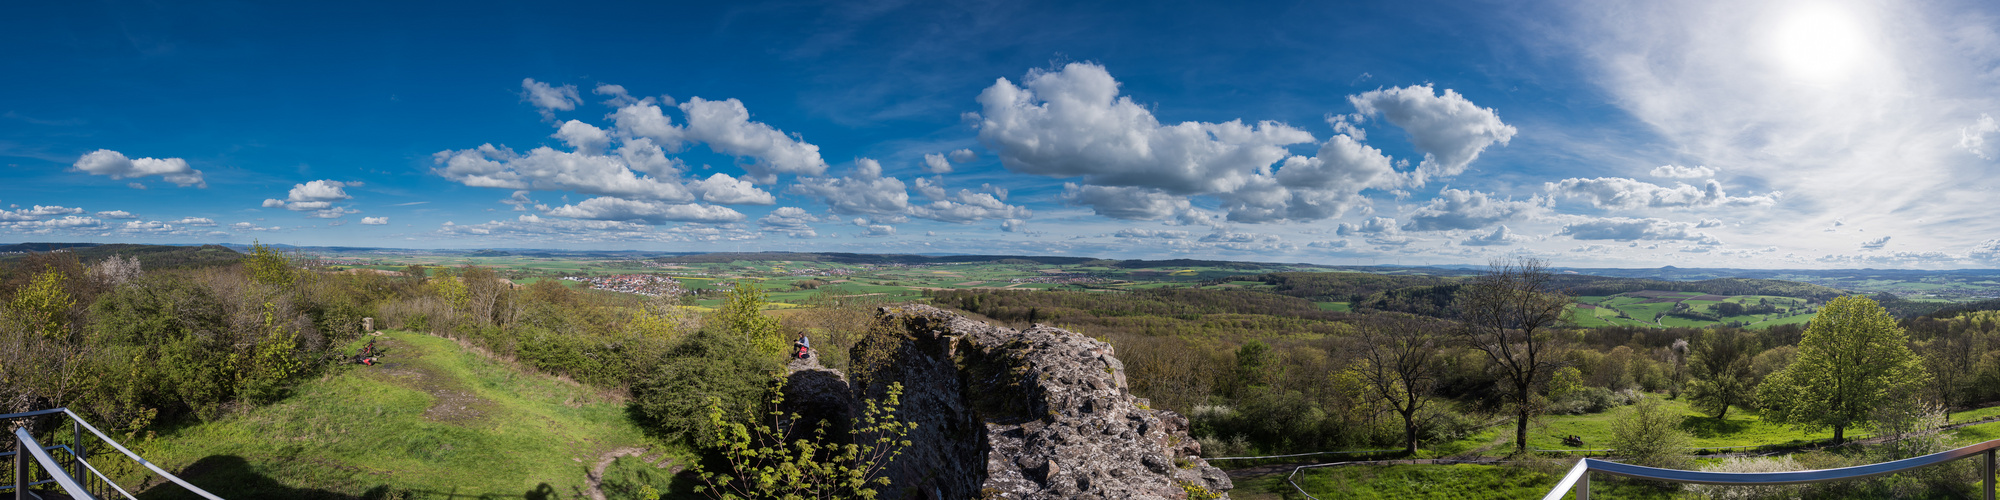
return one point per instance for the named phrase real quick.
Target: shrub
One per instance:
(1742, 465)
(769, 458)
(1650, 435)
(1443, 424)
(673, 400)
(1589, 400)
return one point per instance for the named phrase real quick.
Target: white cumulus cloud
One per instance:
(316, 198)
(546, 169)
(1134, 203)
(1973, 138)
(1500, 236)
(726, 127)
(965, 206)
(548, 99)
(1461, 209)
(1680, 172)
(1620, 192)
(936, 163)
(374, 221)
(863, 191)
(1630, 229)
(1073, 123)
(1171, 234)
(1450, 130)
(648, 212)
(879, 231)
(721, 188)
(115, 165)
(792, 221)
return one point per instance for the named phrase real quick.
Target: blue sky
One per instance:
(1793, 134)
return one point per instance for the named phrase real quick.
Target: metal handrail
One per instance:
(1579, 475)
(114, 445)
(49, 466)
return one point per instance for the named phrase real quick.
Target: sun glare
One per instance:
(1819, 42)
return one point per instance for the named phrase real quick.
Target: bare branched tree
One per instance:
(1508, 313)
(1399, 363)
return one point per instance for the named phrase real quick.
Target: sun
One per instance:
(1819, 42)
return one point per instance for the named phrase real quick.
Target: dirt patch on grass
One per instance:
(453, 403)
(596, 475)
(1717, 298)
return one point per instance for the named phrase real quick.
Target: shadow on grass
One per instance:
(1709, 427)
(230, 476)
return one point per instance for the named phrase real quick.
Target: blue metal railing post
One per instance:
(21, 470)
(1987, 474)
(1583, 486)
(76, 453)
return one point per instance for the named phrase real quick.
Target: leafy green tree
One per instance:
(452, 290)
(268, 266)
(743, 314)
(771, 459)
(44, 304)
(709, 365)
(1566, 381)
(1650, 435)
(1722, 371)
(1251, 364)
(268, 366)
(1852, 360)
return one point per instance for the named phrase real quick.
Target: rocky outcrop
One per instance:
(1042, 413)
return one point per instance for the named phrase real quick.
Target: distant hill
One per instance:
(1141, 264)
(42, 247)
(1341, 286)
(1350, 286)
(1579, 284)
(857, 258)
(150, 256)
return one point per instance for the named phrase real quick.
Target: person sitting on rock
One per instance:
(804, 345)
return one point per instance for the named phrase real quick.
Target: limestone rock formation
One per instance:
(1043, 413)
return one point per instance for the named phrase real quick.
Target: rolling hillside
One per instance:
(433, 420)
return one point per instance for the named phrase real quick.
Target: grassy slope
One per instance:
(1741, 428)
(1435, 481)
(433, 420)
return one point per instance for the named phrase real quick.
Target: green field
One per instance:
(432, 421)
(1462, 481)
(1653, 308)
(783, 278)
(1743, 427)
